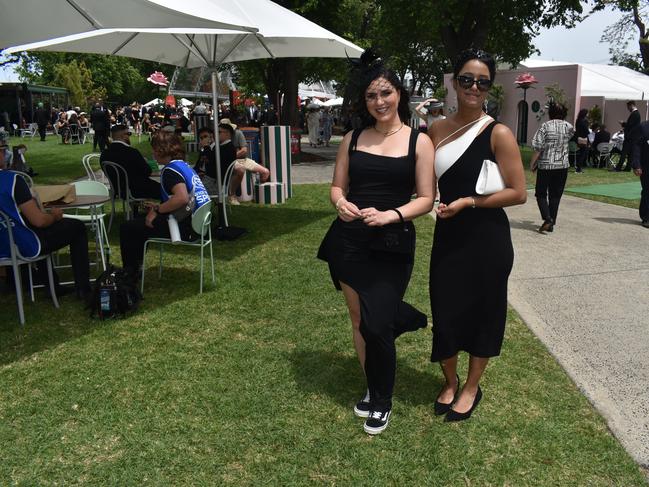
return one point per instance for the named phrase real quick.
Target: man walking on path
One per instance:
(41, 117)
(640, 164)
(100, 124)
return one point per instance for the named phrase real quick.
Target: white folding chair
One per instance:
(95, 219)
(604, 154)
(31, 130)
(15, 260)
(225, 190)
(119, 188)
(86, 161)
(201, 224)
(75, 133)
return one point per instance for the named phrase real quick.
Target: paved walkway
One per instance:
(584, 291)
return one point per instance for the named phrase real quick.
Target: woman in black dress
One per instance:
(472, 251)
(581, 138)
(377, 169)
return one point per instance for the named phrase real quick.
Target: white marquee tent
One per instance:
(611, 82)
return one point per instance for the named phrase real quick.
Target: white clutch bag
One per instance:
(489, 180)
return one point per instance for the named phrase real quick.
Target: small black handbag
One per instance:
(394, 238)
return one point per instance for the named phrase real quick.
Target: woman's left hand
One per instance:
(452, 209)
(375, 218)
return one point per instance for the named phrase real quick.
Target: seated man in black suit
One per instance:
(602, 136)
(138, 171)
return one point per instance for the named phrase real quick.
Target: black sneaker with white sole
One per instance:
(362, 408)
(376, 422)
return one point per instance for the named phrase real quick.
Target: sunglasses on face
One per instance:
(466, 82)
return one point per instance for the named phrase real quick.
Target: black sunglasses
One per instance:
(466, 82)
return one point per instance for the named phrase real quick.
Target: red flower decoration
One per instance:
(157, 78)
(525, 80)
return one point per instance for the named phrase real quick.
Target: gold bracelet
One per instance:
(337, 205)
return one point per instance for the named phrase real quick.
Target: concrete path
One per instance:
(584, 291)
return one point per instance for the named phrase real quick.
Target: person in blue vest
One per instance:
(178, 180)
(39, 233)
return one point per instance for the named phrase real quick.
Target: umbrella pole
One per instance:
(217, 145)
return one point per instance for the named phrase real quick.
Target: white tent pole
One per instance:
(217, 146)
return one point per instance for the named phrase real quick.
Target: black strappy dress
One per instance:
(379, 278)
(471, 259)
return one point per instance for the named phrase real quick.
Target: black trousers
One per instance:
(582, 158)
(42, 129)
(147, 188)
(100, 139)
(61, 234)
(644, 195)
(133, 234)
(549, 189)
(626, 152)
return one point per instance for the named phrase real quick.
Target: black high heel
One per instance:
(439, 407)
(452, 415)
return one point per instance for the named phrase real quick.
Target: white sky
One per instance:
(581, 44)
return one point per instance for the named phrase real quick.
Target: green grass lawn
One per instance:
(253, 382)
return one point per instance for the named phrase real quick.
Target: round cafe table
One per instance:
(89, 201)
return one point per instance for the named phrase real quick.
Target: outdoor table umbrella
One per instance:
(36, 20)
(280, 33)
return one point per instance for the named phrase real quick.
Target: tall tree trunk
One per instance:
(643, 41)
(290, 85)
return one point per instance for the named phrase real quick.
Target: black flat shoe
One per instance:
(452, 415)
(547, 226)
(440, 408)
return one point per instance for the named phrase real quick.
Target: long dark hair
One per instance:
(470, 54)
(363, 72)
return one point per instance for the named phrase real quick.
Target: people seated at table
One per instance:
(238, 140)
(62, 128)
(39, 233)
(206, 165)
(602, 136)
(178, 181)
(226, 136)
(137, 169)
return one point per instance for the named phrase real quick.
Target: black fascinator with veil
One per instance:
(362, 72)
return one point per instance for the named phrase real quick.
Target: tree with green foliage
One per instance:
(123, 79)
(620, 33)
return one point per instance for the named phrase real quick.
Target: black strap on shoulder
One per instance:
(352, 143)
(412, 145)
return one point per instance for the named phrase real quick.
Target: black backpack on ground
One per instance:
(115, 294)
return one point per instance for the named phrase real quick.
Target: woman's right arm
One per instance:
(347, 211)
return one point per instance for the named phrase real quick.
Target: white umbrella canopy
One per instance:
(336, 102)
(27, 21)
(197, 47)
(155, 101)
